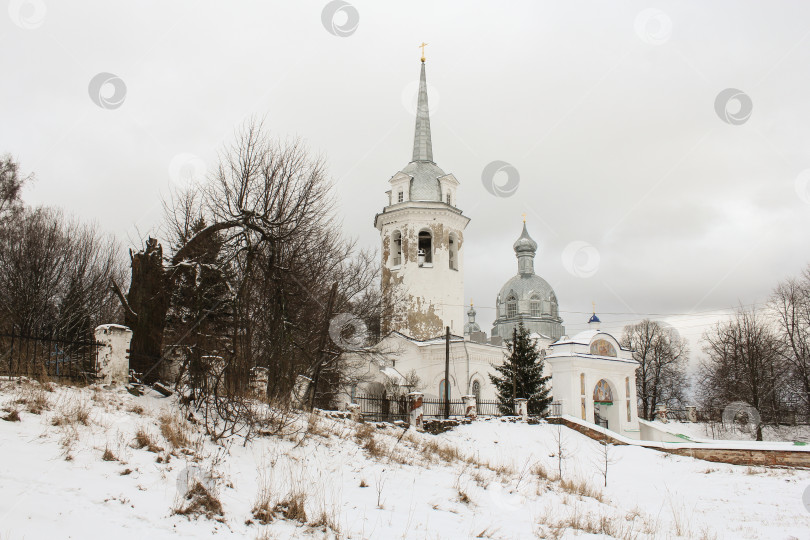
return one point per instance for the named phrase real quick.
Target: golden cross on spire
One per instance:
(423, 50)
(524, 218)
(471, 304)
(594, 307)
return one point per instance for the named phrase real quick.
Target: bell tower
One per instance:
(422, 241)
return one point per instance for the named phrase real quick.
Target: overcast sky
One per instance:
(645, 194)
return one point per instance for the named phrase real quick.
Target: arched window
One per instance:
(426, 247)
(554, 309)
(441, 390)
(452, 250)
(535, 306)
(396, 249)
(511, 306)
(449, 199)
(476, 390)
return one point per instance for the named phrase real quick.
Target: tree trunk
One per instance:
(148, 298)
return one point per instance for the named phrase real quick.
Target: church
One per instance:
(422, 245)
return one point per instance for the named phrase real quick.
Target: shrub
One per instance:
(199, 501)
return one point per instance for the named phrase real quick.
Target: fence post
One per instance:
(354, 412)
(416, 418)
(522, 408)
(258, 382)
(113, 353)
(691, 413)
(470, 407)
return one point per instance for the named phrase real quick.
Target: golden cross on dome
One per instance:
(594, 307)
(524, 218)
(423, 50)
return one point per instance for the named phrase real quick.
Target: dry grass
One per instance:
(137, 409)
(13, 416)
(293, 506)
(108, 455)
(175, 430)
(326, 520)
(74, 413)
(579, 521)
(199, 501)
(144, 440)
(363, 483)
(33, 397)
(581, 488)
(540, 472)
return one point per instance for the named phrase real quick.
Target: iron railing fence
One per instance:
(37, 356)
(382, 408)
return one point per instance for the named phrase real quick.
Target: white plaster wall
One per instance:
(434, 289)
(113, 355)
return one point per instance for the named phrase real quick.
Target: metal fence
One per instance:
(381, 408)
(37, 356)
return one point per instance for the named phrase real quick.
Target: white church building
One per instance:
(422, 244)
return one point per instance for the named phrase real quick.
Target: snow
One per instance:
(710, 432)
(417, 485)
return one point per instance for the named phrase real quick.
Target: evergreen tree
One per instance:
(522, 373)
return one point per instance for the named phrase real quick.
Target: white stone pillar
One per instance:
(522, 408)
(354, 412)
(416, 418)
(113, 354)
(661, 414)
(470, 407)
(258, 382)
(691, 413)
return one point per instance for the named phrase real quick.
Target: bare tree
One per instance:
(791, 304)
(743, 363)
(662, 355)
(54, 275)
(560, 447)
(11, 183)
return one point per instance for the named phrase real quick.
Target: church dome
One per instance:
(525, 287)
(525, 242)
(424, 180)
(526, 297)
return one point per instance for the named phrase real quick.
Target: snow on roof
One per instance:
(394, 375)
(592, 356)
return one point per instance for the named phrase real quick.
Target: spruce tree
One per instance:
(526, 364)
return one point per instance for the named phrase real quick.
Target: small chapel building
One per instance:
(422, 243)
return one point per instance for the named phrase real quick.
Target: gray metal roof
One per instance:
(524, 286)
(424, 180)
(422, 145)
(525, 242)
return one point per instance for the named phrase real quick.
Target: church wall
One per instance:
(429, 298)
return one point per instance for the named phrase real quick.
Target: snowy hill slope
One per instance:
(91, 463)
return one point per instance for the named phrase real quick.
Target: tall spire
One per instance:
(422, 146)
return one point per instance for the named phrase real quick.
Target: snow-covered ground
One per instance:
(90, 463)
(718, 431)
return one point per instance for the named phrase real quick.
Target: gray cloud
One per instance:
(616, 139)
